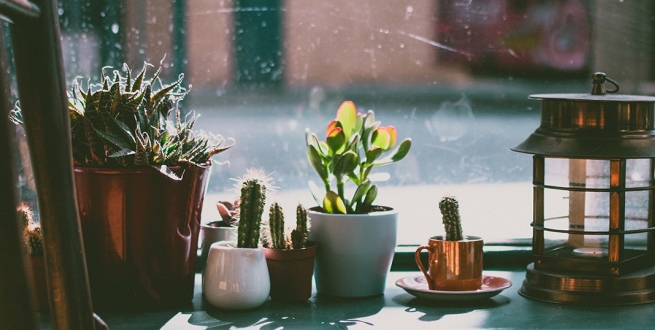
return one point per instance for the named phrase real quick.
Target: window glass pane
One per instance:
(453, 75)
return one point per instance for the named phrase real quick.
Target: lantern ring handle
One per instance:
(616, 89)
(598, 80)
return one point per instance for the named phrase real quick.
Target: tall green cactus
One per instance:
(451, 219)
(276, 224)
(253, 198)
(299, 235)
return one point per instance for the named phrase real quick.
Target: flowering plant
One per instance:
(355, 144)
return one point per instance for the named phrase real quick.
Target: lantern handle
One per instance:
(598, 79)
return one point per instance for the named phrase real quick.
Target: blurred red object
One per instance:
(530, 35)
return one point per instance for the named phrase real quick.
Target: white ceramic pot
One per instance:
(209, 235)
(235, 278)
(354, 252)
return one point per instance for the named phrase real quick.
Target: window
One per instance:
(454, 75)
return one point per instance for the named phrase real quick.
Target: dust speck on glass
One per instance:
(454, 75)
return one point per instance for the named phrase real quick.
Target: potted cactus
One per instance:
(290, 257)
(357, 238)
(236, 275)
(140, 176)
(35, 262)
(454, 260)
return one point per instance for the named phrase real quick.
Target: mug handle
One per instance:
(417, 257)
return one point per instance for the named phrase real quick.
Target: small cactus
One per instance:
(34, 240)
(32, 236)
(451, 219)
(299, 235)
(251, 205)
(276, 224)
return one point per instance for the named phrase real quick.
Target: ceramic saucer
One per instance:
(418, 286)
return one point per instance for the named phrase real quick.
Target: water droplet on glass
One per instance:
(114, 28)
(60, 11)
(401, 45)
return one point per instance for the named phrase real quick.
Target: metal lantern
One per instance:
(594, 197)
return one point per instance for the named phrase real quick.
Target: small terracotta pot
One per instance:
(36, 275)
(291, 272)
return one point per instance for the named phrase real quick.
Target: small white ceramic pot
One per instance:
(235, 278)
(354, 252)
(210, 234)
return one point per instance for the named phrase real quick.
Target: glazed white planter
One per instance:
(354, 252)
(210, 235)
(235, 278)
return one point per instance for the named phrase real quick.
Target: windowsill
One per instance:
(396, 309)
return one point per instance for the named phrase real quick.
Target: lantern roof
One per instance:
(594, 125)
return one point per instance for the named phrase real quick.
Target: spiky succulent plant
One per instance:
(451, 220)
(355, 144)
(32, 236)
(251, 207)
(276, 226)
(277, 236)
(299, 234)
(125, 121)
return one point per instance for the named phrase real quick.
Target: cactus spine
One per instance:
(253, 198)
(299, 235)
(451, 219)
(276, 224)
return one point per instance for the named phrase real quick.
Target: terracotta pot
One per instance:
(291, 272)
(140, 231)
(39, 286)
(355, 252)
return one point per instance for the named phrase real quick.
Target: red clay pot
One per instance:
(291, 272)
(140, 231)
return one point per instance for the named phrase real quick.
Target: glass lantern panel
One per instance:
(579, 173)
(576, 211)
(637, 205)
(639, 173)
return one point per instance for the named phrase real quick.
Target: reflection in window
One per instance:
(454, 75)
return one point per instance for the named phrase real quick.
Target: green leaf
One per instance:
(122, 153)
(313, 188)
(347, 117)
(354, 141)
(336, 140)
(373, 154)
(317, 163)
(381, 138)
(345, 164)
(332, 203)
(396, 155)
(113, 139)
(360, 192)
(371, 195)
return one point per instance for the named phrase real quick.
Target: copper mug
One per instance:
(452, 265)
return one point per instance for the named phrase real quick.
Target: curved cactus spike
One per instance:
(452, 222)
